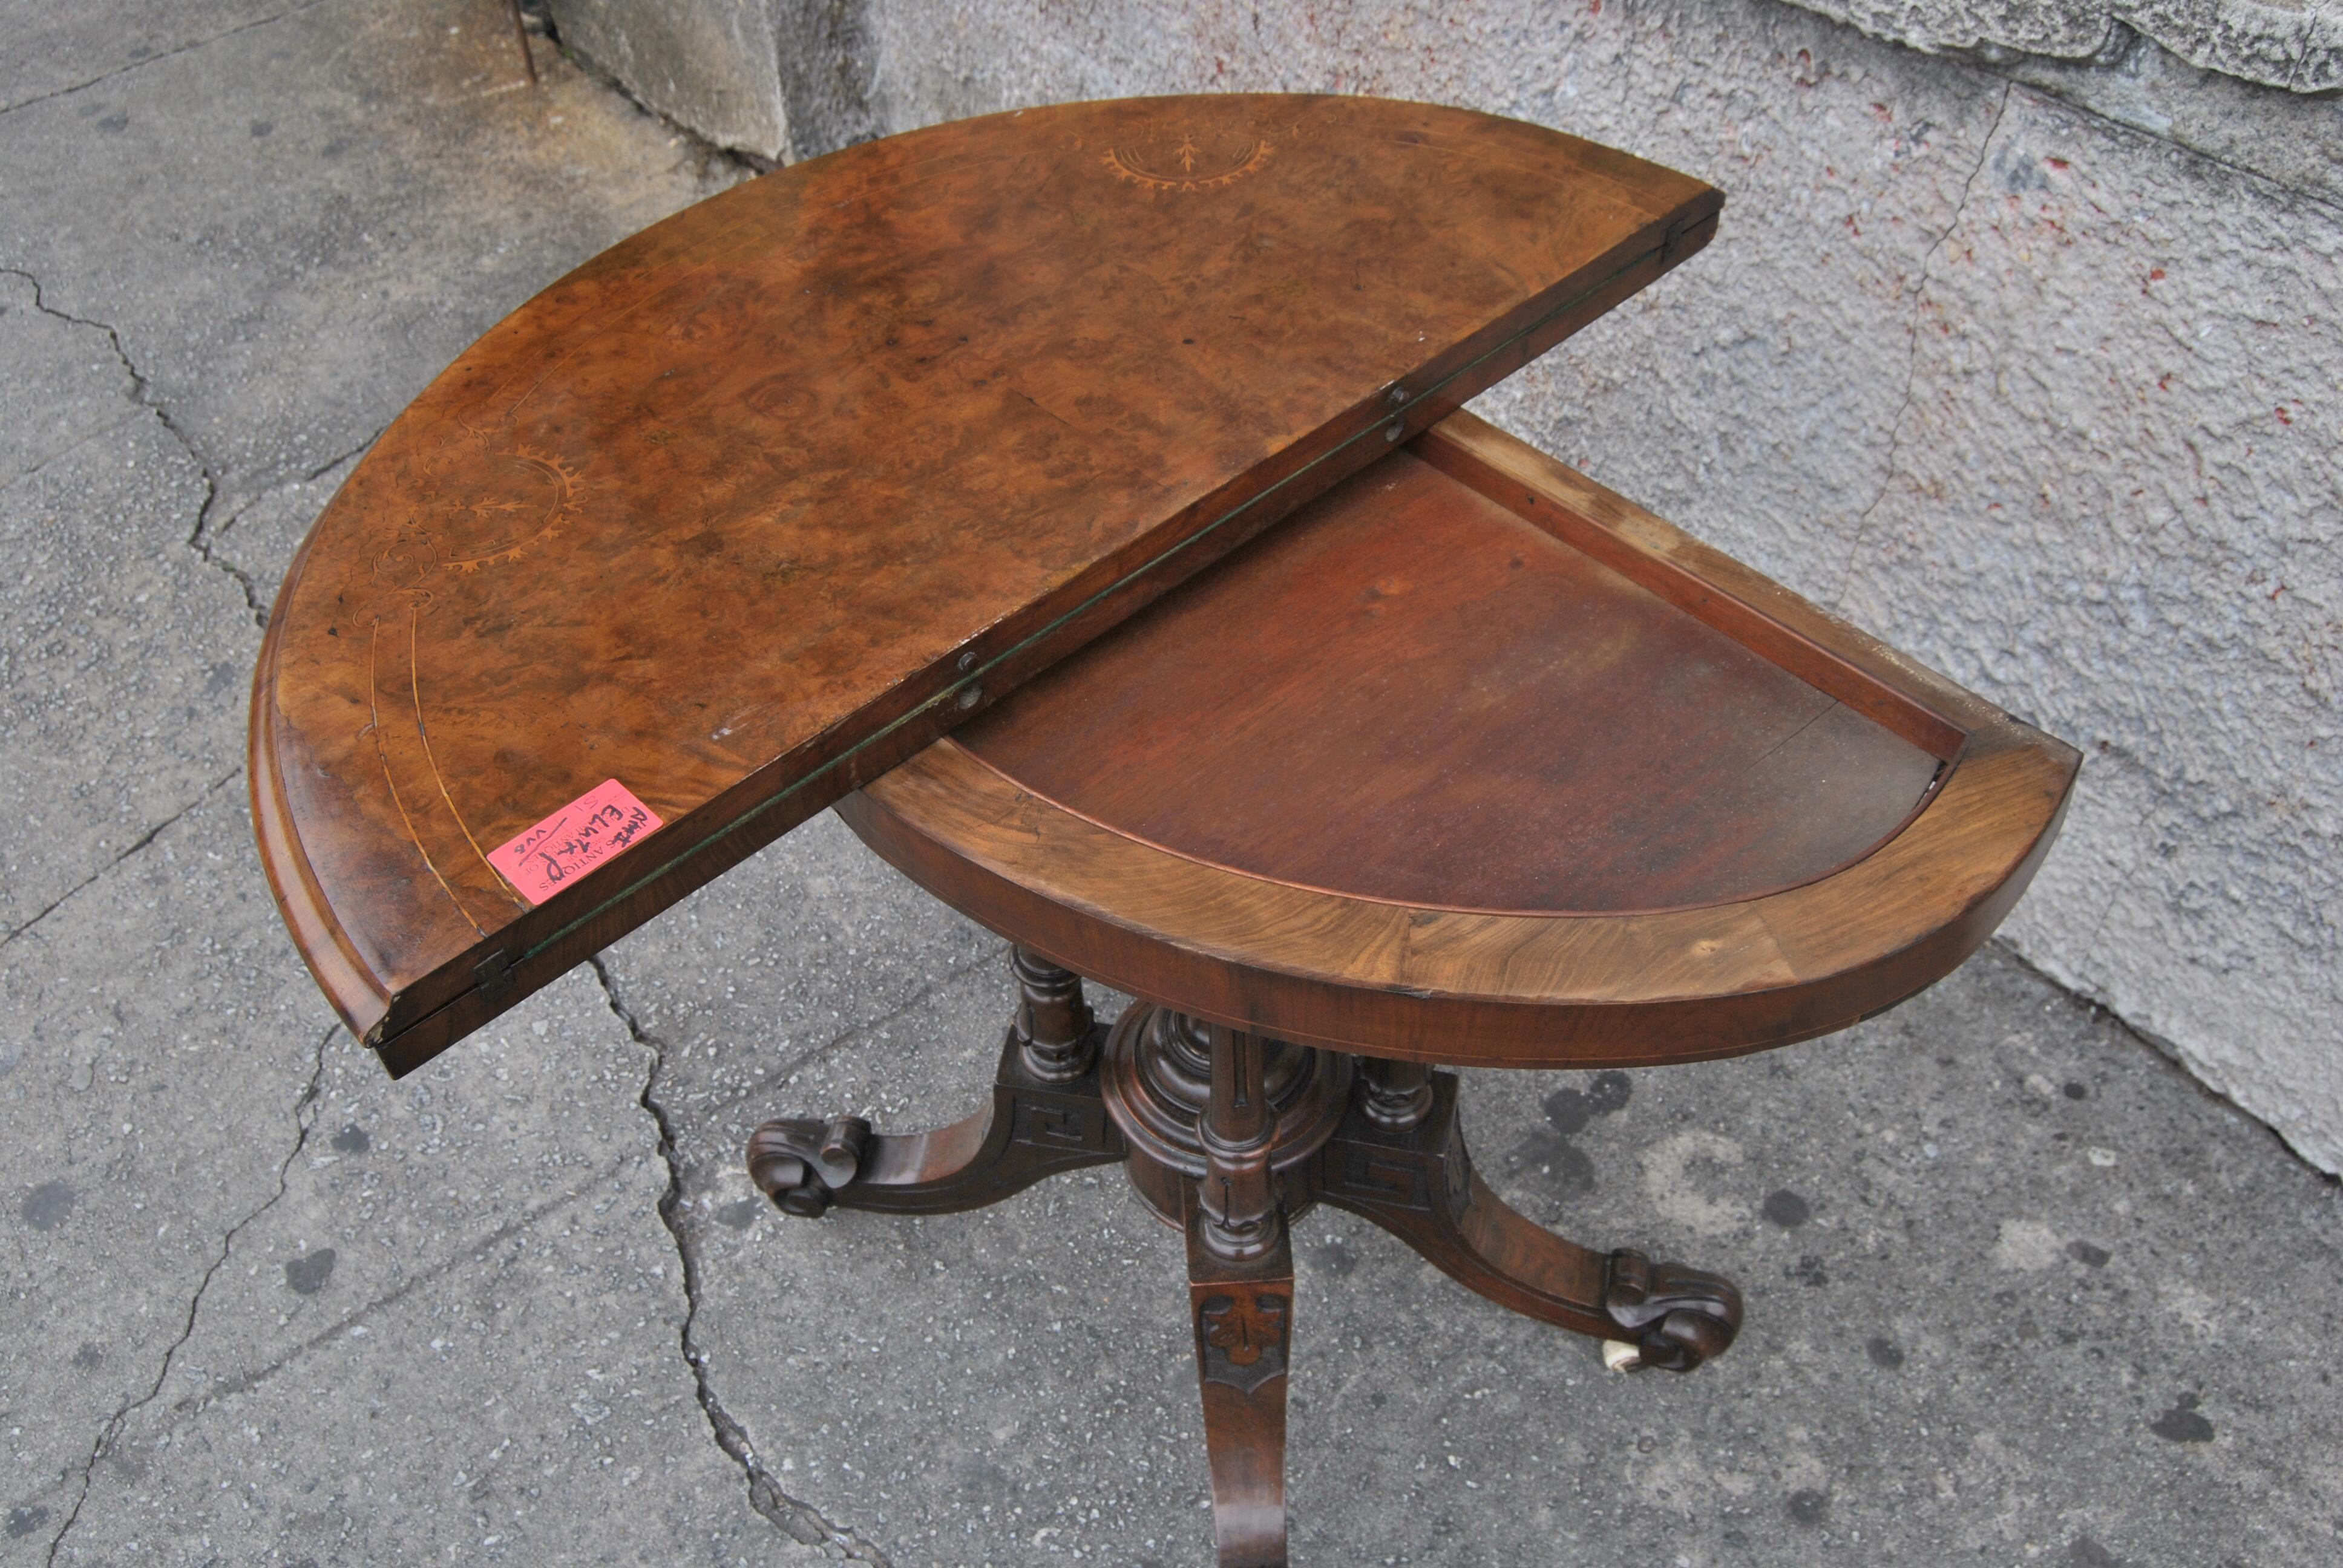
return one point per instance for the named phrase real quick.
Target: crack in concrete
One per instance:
(794, 1517)
(142, 391)
(208, 537)
(746, 165)
(197, 1404)
(153, 60)
(144, 840)
(1912, 363)
(2068, 100)
(814, 1053)
(112, 1431)
(321, 471)
(306, 476)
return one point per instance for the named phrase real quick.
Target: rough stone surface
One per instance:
(2297, 45)
(2288, 139)
(2020, 1291)
(2179, 619)
(707, 64)
(778, 79)
(829, 60)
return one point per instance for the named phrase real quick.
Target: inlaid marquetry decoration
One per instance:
(1192, 157)
(495, 504)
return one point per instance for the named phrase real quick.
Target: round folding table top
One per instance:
(758, 502)
(1471, 761)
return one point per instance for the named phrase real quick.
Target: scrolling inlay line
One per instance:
(382, 756)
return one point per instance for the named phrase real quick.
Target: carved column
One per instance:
(1056, 1035)
(1237, 1195)
(1398, 1094)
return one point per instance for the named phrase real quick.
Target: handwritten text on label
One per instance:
(598, 824)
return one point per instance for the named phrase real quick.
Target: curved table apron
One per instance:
(1475, 762)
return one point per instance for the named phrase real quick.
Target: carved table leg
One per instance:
(1417, 1182)
(1277, 1128)
(1046, 1117)
(1241, 1298)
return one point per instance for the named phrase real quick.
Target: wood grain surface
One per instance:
(1410, 693)
(760, 501)
(1594, 860)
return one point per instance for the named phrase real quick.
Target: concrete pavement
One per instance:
(2020, 1290)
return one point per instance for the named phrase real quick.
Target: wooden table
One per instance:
(1443, 753)
(1470, 763)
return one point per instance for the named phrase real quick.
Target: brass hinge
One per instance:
(494, 976)
(1672, 246)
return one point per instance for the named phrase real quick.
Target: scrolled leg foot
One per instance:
(1418, 1183)
(1675, 1317)
(801, 1163)
(1046, 1116)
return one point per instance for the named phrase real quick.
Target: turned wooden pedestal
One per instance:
(1230, 1137)
(1080, 499)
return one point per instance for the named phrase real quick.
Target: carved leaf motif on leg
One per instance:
(1245, 1338)
(1677, 1317)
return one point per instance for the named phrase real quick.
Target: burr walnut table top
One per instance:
(1473, 761)
(760, 501)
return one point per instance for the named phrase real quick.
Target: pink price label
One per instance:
(604, 821)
